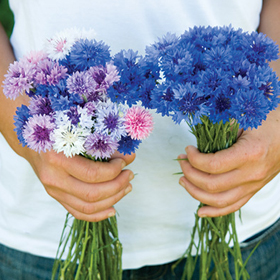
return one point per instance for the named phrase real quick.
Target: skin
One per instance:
(228, 179)
(224, 181)
(87, 189)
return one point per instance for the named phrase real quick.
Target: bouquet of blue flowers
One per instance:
(218, 80)
(70, 84)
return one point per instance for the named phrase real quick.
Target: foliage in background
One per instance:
(6, 17)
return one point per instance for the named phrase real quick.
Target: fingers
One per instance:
(212, 183)
(225, 160)
(94, 171)
(210, 211)
(96, 210)
(91, 202)
(221, 203)
(90, 171)
(87, 189)
(88, 192)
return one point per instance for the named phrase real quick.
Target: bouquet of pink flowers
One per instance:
(69, 84)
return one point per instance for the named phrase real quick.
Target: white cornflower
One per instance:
(85, 120)
(59, 46)
(69, 139)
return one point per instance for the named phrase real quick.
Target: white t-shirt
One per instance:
(156, 218)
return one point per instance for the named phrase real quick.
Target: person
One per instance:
(155, 218)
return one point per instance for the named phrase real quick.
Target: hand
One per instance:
(227, 179)
(87, 189)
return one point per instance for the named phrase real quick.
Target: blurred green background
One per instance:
(6, 16)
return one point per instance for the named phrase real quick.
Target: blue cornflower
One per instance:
(87, 53)
(42, 90)
(211, 79)
(261, 48)
(131, 78)
(162, 98)
(220, 106)
(145, 93)
(189, 101)
(218, 57)
(60, 97)
(249, 108)
(21, 118)
(155, 51)
(127, 145)
(177, 62)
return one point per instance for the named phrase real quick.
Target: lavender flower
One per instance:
(19, 79)
(49, 72)
(100, 146)
(37, 131)
(109, 120)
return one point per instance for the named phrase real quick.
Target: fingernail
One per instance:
(123, 164)
(202, 216)
(111, 214)
(131, 176)
(182, 183)
(128, 190)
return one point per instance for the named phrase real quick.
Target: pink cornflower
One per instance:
(34, 57)
(138, 122)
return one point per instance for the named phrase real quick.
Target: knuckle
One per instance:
(259, 151)
(89, 208)
(93, 195)
(214, 165)
(211, 186)
(92, 174)
(46, 179)
(50, 192)
(221, 203)
(259, 175)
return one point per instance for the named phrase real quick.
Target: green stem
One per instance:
(215, 234)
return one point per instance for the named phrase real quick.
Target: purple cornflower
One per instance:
(37, 132)
(19, 79)
(49, 72)
(81, 83)
(40, 106)
(104, 76)
(109, 121)
(100, 146)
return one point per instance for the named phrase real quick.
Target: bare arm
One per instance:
(226, 180)
(87, 189)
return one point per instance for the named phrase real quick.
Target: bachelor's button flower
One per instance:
(87, 53)
(69, 139)
(19, 79)
(37, 132)
(138, 122)
(127, 145)
(100, 146)
(109, 121)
